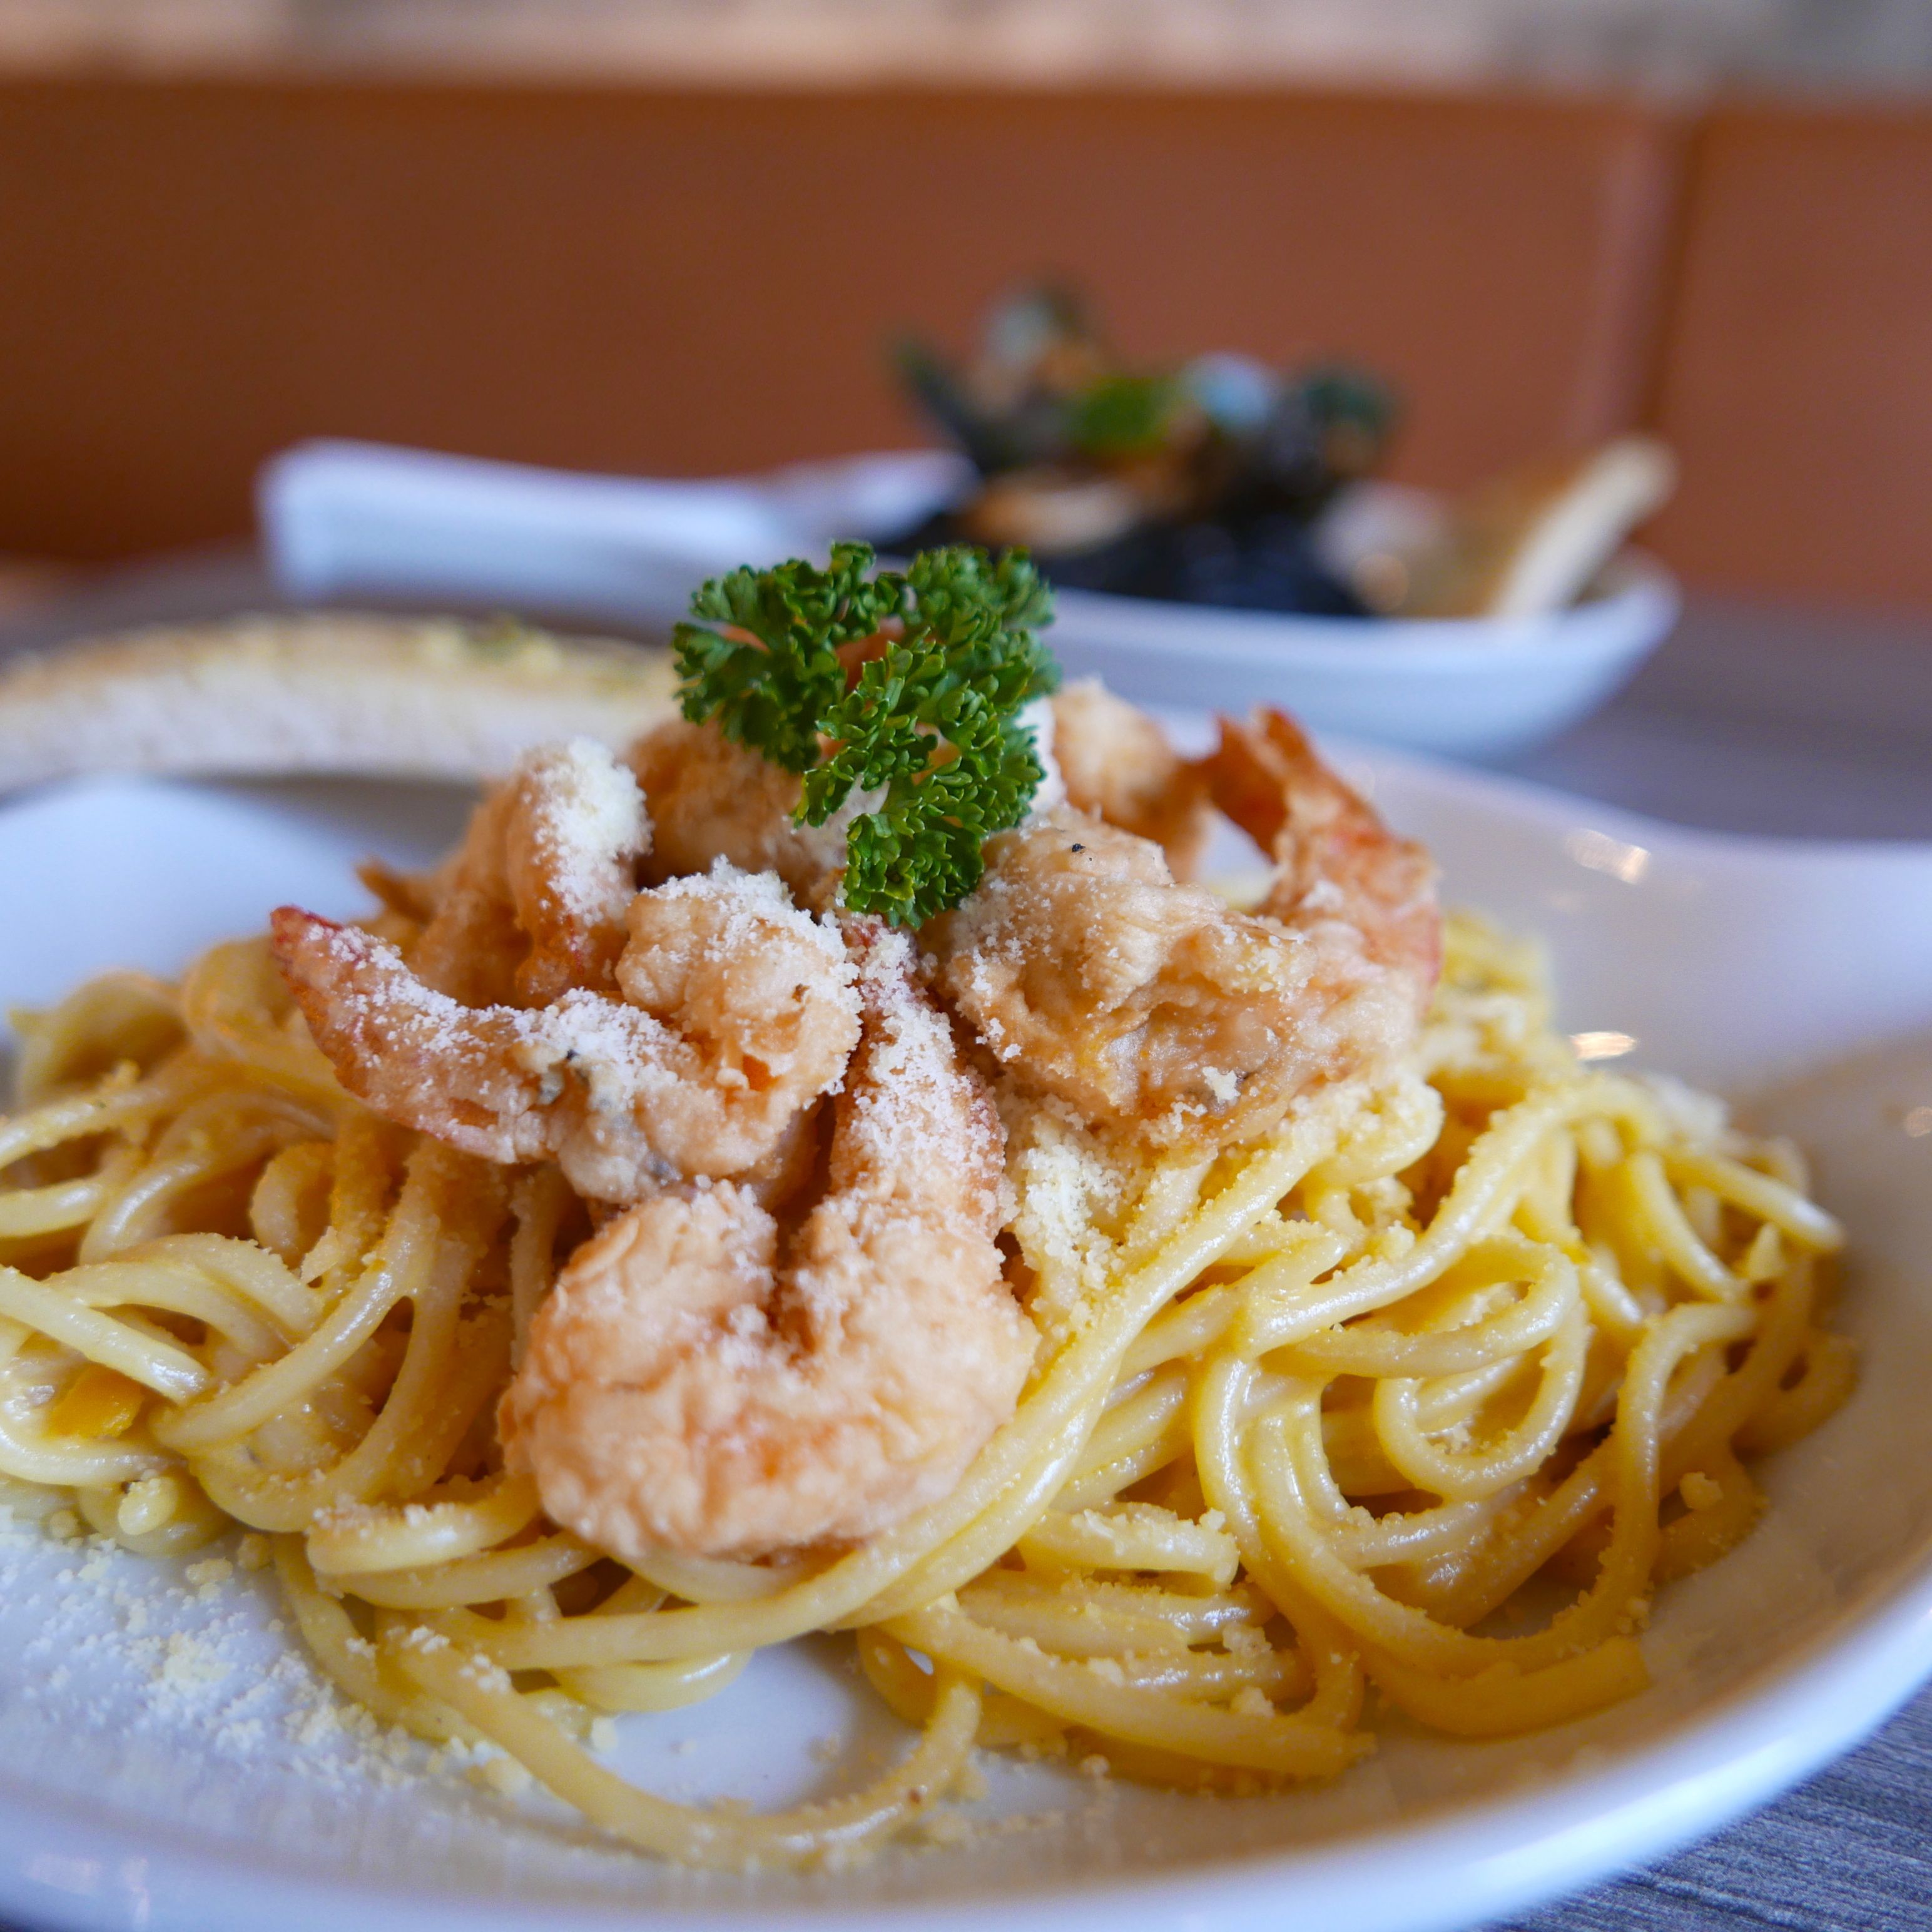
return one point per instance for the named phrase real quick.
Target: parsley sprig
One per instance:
(930, 717)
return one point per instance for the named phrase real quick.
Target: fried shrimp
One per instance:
(532, 902)
(734, 1011)
(1151, 1008)
(711, 800)
(1092, 976)
(1336, 863)
(697, 1382)
(1117, 765)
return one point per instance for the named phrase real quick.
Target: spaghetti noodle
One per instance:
(1304, 1415)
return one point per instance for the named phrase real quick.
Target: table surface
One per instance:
(1799, 724)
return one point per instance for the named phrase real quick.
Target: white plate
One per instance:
(137, 1793)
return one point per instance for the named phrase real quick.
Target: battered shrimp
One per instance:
(470, 945)
(1117, 765)
(1152, 1009)
(711, 800)
(1336, 863)
(532, 902)
(696, 1382)
(736, 1010)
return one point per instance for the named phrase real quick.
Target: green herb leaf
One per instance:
(1123, 415)
(768, 693)
(929, 721)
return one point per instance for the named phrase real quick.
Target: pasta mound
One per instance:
(1305, 1416)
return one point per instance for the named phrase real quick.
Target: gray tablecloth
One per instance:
(1800, 723)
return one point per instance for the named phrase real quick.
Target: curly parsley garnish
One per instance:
(945, 656)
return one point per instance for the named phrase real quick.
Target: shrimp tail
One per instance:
(1334, 858)
(413, 1054)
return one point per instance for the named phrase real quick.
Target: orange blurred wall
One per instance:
(197, 273)
(1796, 375)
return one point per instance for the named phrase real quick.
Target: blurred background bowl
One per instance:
(1463, 687)
(349, 523)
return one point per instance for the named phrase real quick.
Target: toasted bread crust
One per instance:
(267, 696)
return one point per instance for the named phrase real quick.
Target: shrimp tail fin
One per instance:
(1267, 777)
(385, 1034)
(1333, 855)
